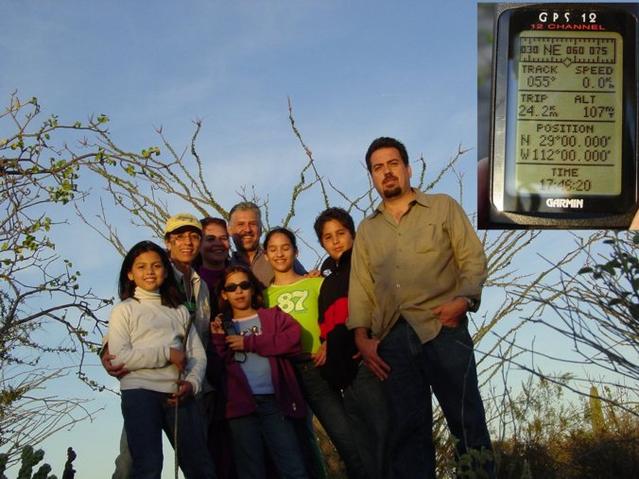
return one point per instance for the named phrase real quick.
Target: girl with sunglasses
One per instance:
(262, 391)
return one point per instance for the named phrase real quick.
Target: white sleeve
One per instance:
(119, 337)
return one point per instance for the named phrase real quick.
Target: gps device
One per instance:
(564, 124)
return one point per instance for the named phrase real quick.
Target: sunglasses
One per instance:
(229, 288)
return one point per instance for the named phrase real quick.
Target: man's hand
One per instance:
(314, 273)
(185, 389)
(319, 358)
(216, 325)
(368, 348)
(118, 371)
(235, 342)
(178, 358)
(450, 312)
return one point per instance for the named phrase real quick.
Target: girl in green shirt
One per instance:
(298, 296)
(293, 293)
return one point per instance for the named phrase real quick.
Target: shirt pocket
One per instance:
(431, 237)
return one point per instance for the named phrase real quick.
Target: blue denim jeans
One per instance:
(446, 365)
(267, 425)
(327, 404)
(123, 462)
(146, 414)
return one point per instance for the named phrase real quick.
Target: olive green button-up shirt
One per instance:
(431, 256)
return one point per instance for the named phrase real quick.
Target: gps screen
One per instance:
(568, 134)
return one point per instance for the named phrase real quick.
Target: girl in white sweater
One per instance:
(147, 331)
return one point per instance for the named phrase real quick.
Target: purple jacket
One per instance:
(279, 340)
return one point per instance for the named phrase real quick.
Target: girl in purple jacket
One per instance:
(261, 387)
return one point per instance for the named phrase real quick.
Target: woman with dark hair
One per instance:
(213, 257)
(262, 390)
(210, 263)
(151, 334)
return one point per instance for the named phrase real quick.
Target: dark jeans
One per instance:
(447, 366)
(367, 409)
(146, 414)
(123, 461)
(267, 425)
(326, 403)
(213, 408)
(309, 444)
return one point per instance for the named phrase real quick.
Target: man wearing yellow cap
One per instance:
(182, 236)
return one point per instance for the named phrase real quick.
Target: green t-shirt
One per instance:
(299, 299)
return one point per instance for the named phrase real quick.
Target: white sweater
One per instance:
(141, 333)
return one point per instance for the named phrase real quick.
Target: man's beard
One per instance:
(392, 192)
(239, 245)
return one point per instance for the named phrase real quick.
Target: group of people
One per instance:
(230, 355)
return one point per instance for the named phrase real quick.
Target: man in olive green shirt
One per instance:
(417, 269)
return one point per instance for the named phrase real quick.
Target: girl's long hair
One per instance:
(257, 297)
(169, 292)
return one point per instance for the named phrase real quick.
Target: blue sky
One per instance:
(354, 70)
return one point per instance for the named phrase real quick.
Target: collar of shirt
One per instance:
(420, 197)
(242, 258)
(332, 266)
(179, 276)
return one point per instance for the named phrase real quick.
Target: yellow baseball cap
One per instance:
(180, 220)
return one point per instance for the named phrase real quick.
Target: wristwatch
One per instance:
(471, 303)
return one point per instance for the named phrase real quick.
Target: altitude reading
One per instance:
(568, 136)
